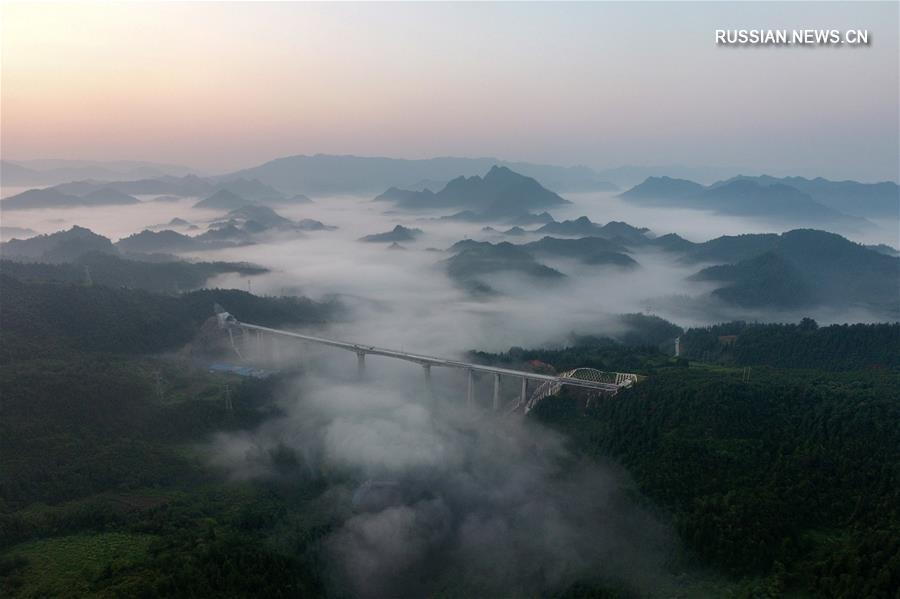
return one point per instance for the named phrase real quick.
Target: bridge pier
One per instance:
(496, 402)
(524, 393)
(427, 370)
(274, 353)
(360, 364)
(245, 342)
(470, 386)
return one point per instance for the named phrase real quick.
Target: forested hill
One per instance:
(805, 267)
(44, 319)
(803, 345)
(790, 480)
(97, 268)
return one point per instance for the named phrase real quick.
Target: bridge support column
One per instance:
(428, 393)
(524, 393)
(246, 344)
(496, 402)
(470, 386)
(360, 364)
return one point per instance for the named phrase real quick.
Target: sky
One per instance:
(220, 86)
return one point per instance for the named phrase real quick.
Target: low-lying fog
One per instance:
(403, 299)
(497, 505)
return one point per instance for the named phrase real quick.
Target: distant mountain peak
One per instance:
(502, 194)
(397, 234)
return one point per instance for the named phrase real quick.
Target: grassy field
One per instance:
(68, 566)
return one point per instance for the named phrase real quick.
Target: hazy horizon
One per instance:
(658, 169)
(601, 85)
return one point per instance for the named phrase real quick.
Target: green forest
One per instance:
(775, 456)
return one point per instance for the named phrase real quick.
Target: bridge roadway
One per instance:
(427, 362)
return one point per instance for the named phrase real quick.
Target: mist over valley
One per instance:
(448, 300)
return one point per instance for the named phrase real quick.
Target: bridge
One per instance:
(607, 383)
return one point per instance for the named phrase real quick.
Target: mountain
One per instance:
(106, 196)
(62, 246)
(662, 188)
(54, 198)
(475, 261)
(13, 174)
(54, 171)
(189, 185)
(729, 248)
(116, 272)
(885, 249)
(397, 234)
(222, 200)
(584, 227)
(257, 218)
(589, 250)
(806, 267)
(39, 198)
(868, 200)
(324, 174)
(228, 234)
(629, 176)
(748, 198)
(672, 242)
(768, 280)
(580, 227)
(500, 194)
(466, 216)
(741, 197)
(251, 190)
(263, 215)
(309, 224)
(532, 219)
(168, 241)
(406, 197)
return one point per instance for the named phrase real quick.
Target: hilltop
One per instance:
(745, 196)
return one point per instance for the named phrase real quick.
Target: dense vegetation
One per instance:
(792, 476)
(41, 319)
(112, 271)
(103, 491)
(806, 267)
(784, 483)
(786, 478)
(803, 345)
